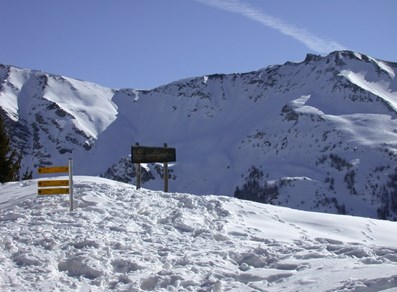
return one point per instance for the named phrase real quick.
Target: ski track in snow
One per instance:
(122, 239)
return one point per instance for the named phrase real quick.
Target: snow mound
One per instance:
(122, 239)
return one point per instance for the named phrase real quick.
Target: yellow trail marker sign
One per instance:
(54, 191)
(46, 187)
(53, 183)
(53, 169)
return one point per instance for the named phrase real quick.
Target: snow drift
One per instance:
(118, 238)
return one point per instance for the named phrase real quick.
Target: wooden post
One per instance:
(165, 173)
(71, 184)
(138, 173)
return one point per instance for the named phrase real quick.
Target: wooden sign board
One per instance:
(53, 191)
(53, 183)
(53, 169)
(145, 154)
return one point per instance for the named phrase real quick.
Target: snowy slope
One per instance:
(315, 135)
(118, 238)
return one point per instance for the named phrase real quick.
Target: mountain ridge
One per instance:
(314, 135)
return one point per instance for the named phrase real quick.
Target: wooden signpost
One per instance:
(146, 154)
(57, 187)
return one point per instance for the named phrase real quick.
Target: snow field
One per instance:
(122, 239)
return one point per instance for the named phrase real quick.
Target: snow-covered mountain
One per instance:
(121, 239)
(316, 135)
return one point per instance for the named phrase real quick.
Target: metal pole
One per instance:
(71, 184)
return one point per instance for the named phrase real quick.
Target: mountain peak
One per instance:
(311, 57)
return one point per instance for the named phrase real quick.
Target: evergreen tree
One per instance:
(10, 161)
(256, 191)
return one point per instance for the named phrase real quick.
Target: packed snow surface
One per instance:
(123, 239)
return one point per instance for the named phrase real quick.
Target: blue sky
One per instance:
(146, 43)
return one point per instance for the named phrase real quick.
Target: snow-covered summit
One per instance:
(121, 239)
(316, 135)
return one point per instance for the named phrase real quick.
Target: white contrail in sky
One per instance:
(313, 42)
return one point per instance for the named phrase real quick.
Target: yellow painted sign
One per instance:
(53, 169)
(53, 191)
(53, 183)
(51, 186)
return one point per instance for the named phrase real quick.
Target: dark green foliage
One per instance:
(393, 192)
(388, 195)
(350, 181)
(254, 190)
(331, 182)
(340, 208)
(10, 161)
(338, 162)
